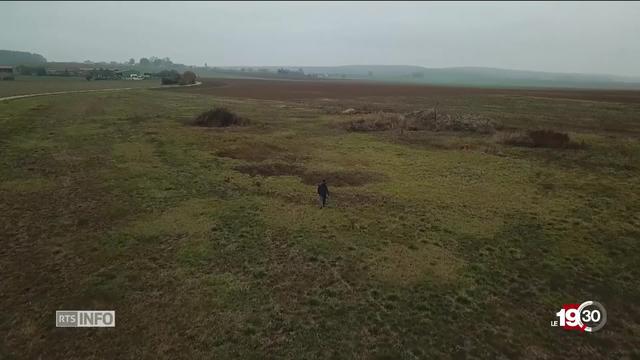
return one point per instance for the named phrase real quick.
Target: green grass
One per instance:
(40, 84)
(109, 201)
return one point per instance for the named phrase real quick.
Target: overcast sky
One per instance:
(589, 37)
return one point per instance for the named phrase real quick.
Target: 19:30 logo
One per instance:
(590, 316)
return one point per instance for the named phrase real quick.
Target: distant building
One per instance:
(57, 72)
(6, 73)
(104, 74)
(133, 75)
(67, 71)
(126, 74)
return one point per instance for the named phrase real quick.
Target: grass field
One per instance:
(40, 84)
(434, 245)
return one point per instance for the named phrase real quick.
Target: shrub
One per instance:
(169, 81)
(537, 138)
(187, 78)
(515, 139)
(31, 70)
(219, 117)
(169, 77)
(549, 138)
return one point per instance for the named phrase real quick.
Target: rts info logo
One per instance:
(590, 316)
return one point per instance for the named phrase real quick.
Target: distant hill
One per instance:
(453, 76)
(485, 77)
(13, 58)
(471, 76)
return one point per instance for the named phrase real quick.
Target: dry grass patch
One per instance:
(434, 120)
(254, 152)
(189, 217)
(380, 121)
(400, 265)
(32, 185)
(341, 177)
(431, 120)
(313, 177)
(271, 169)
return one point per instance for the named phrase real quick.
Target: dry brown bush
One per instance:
(538, 138)
(515, 138)
(421, 120)
(187, 78)
(379, 121)
(549, 138)
(439, 121)
(219, 117)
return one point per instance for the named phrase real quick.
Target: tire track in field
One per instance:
(15, 97)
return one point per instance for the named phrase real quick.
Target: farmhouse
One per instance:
(132, 75)
(104, 74)
(67, 71)
(128, 73)
(58, 72)
(6, 73)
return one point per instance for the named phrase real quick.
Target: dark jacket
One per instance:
(323, 190)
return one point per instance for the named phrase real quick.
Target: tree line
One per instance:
(13, 58)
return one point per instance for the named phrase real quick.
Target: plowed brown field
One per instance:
(336, 89)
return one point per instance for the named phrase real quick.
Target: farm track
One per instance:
(15, 97)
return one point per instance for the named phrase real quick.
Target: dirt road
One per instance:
(15, 97)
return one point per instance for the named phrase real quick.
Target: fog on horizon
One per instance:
(587, 37)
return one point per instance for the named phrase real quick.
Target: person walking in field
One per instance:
(323, 191)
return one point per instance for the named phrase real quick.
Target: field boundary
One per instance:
(15, 97)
